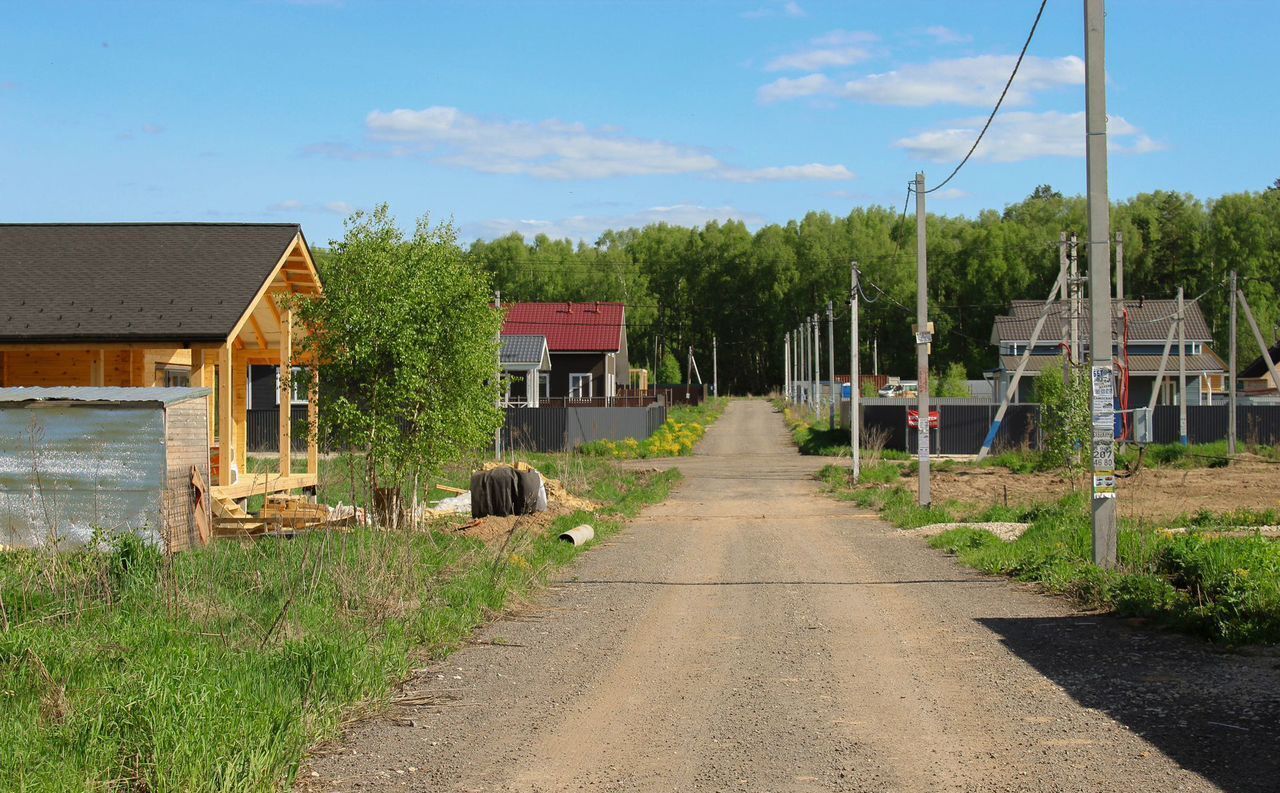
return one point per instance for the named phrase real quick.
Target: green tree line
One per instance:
(683, 286)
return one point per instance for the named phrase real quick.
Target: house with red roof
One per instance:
(587, 343)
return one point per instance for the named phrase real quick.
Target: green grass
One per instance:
(1223, 588)
(816, 438)
(216, 669)
(684, 427)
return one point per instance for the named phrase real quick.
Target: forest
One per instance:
(684, 286)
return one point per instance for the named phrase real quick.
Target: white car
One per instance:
(905, 388)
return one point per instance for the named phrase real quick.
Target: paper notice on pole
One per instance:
(924, 442)
(1104, 454)
(1104, 397)
(1104, 484)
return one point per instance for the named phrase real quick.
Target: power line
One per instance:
(999, 101)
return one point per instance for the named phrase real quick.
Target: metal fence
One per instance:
(964, 424)
(555, 429)
(263, 429)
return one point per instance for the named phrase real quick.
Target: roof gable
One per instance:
(569, 327)
(134, 281)
(1149, 321)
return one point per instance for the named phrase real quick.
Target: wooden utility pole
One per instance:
(1102, 380)
(923, 339)
(1182, 371)
(831, 362)
(1231, 374)
(855, 441)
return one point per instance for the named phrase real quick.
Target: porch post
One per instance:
(199, 376)
(531, 388)
(226, 430)
(286, 391)
(313, 424)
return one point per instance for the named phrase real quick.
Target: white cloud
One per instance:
(975, 81)
(793, 9)
(589, 227)
(788, 9)
(1018, 136)
(945, 35)
(833, 50)
(549, 149)
(813, 172)
(785, 88)
(293, 205)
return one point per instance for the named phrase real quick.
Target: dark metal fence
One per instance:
(263, 429)
(555, 429)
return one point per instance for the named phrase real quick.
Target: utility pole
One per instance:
(1120, 267)
(786, 366)
(1182, 371)
(715, 369)
(688, 373)
(1076, 304)
(875, 355)
(855, 441)
(1231, 374)
(1101, 376)
(923, 339)
(497, 434)
(1064, 295)
(817, 367)
(1257, 335)
(831, 362)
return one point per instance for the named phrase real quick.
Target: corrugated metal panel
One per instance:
(67, 469)
(105, 394)
(553, 429)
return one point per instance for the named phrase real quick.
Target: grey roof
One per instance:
(1142, 365)
(103, 394)
(133, 281)
(1149, 320)
(525, 349)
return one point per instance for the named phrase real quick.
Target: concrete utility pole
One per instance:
(1064, 279)
(875, 355)
(1231, 374)
(1120, 267)
(1257, 334)
(831, 362)
(715, 369)
(688, 373)
(497, 434)
(855, 441)
(1182, 371)
(923, 339)
(1101, 376)
(1077, 304)
(817, 367)
(786, 366)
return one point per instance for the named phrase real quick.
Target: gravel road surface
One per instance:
(750, 634)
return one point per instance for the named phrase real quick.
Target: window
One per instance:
(544, 385)
(298, 382)
(173, 376)
(580, 386)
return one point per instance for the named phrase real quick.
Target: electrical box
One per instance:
(1143, 421)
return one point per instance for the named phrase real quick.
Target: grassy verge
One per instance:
(815, 437)
(1223, 587)
(684, 427)
(1156, 455)
(216, 669)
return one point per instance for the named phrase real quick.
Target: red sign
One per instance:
(913, 419)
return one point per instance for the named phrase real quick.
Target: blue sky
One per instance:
(570, 117)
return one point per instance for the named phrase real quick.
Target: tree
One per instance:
(407, 341)
(953, 382)
(1064, 414)
(669, 371)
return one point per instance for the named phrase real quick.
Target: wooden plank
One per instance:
(313, 423)
(297, 246)
(261, 484)
(226, 430)
(285, 412)
(257, 331)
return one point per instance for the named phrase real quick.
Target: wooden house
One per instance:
(587, 343)
(162, 304)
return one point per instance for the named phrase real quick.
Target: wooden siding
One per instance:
(56, 366)
(187, 446)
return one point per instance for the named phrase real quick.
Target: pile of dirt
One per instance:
(1005, 531)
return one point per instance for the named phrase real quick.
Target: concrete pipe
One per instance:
(579, 535)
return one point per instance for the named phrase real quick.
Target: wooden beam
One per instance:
(257, 331)
(313, 424)
(4, 369)
(98, 369)
(226, 428)
(201, 374)
(286, 393)
(239, 343)
(269, 299)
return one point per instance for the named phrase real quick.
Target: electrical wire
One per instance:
(999, 101)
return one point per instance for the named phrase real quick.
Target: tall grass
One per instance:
(215, 670)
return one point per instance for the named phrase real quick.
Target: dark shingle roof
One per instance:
(1259, 367)
(1138, 364)
(133, 281)
(1149, 320)
(522, 348)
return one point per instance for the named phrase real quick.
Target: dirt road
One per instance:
(751, 635)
